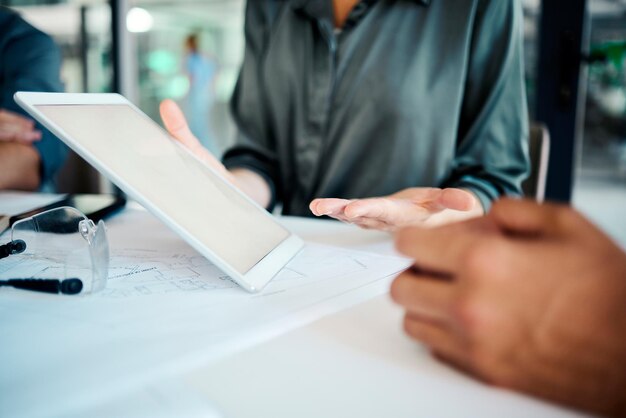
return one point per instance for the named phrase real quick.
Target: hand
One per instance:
(529, 297)
(177, 126)
(409, 207)
(20, 166)
(248, 181)
(16, 128)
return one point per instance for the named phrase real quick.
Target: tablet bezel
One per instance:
(255, 279)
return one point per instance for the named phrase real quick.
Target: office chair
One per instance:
(539, 150)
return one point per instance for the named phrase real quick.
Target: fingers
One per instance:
(16, 128)
(373, 213)
(380, 208)
(10, 118)
(383, 214)
(524, 216)
(414, 206)
(429, 318)
(457, 199)
(444, 249)
(335, 208)
(392, 212)
(377, 208)
(176, 124)
(329, 207)
(437, 337)
(15, 134)
(369, 223)
(428, 297)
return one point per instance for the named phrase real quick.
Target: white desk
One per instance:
(354, 363)
(357, 363)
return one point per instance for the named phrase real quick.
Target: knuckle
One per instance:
(353, 209)
(480, 356)
(475, 356)
(468, 313)
(476, 258)
(489, 367)
(479, 257)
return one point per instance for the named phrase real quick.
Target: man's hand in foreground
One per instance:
(530, 297)
(419, 206)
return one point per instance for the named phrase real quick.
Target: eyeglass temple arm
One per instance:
(13, 247)
(66, 287)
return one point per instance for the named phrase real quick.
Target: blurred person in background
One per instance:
(201, 70)
(29, 61)
(418, 104)
(530, 297)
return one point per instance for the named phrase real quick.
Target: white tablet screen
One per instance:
(139, 151)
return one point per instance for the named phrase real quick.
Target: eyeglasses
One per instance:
(57, 251)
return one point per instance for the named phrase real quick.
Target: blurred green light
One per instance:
(162, 62)
(177, 87)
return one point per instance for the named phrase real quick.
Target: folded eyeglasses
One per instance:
(57, 251)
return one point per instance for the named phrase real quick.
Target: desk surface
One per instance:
(354, 363)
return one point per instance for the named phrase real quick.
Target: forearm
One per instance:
(20, 167)
(253, 185)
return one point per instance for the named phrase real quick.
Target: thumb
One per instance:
(176, 124)
(525, 217)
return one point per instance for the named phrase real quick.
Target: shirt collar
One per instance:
(299, 4)
(318, 8)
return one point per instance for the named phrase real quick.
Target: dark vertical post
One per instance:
(561, 90)
(84, 48)
(118, 26)
(117, 21)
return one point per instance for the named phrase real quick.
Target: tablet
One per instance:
(140, 157)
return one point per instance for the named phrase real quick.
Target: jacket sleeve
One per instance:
(491, 158)
(254, 147)
(35, 65)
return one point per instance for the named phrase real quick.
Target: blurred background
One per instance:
(190, 50)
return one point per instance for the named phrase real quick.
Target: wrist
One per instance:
(252, 184)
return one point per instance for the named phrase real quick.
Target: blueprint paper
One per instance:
(163, 399)
(165, 309)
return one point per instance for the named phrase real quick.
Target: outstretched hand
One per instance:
(410, 207)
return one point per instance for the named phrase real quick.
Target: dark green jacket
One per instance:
(410, 93)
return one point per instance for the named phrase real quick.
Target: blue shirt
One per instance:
(30, 61)
(411, 93)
